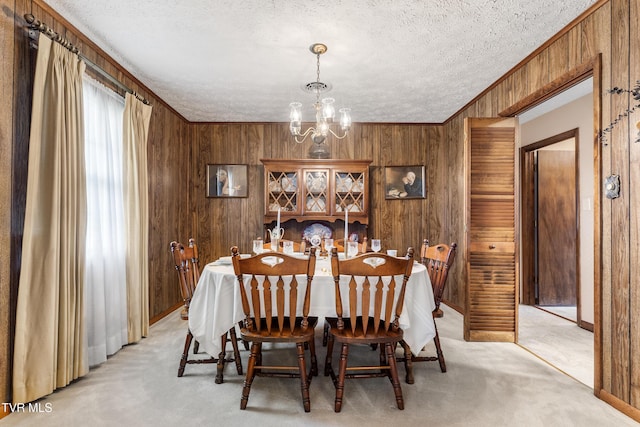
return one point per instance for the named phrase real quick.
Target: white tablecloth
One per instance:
(216, 304)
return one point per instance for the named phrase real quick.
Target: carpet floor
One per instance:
(486, 384)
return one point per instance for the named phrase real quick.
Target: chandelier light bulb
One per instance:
(345, 119)
(328, 110)
(295, 113)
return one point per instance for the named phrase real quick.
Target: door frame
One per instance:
(590, 68)
(527, 203)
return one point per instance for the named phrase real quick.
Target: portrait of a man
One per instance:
(404, 182)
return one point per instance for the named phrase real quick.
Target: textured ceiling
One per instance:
(391, 61)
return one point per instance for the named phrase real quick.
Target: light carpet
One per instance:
(487, 384)
(558, 341)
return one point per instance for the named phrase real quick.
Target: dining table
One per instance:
(216, 304)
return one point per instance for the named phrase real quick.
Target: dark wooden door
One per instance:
(556, 219)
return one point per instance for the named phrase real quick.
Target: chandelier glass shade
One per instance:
(325, 114)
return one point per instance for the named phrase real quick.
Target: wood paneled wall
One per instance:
(222, 223)
(609, 29)
(179, 151)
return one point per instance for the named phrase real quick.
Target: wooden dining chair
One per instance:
(374, 299)
(276, 309)
(187, 265)
(438, 260)
(339, 245)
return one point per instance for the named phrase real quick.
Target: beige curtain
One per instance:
(49, 341)
(135, 130)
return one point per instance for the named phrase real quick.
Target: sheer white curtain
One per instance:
(105, 291)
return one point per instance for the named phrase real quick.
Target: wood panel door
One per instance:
(556, 219)
(491, 239)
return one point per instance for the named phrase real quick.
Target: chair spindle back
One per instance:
(272, 273)
(438, 259)
(375, 298)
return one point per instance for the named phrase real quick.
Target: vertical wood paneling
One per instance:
(634, 190)
(520, 86)
(558, 57)
(454, 214)
(484, 104)
(169, 214)
(538, 71)
(620, 206)
(433, 180)
(574, 53)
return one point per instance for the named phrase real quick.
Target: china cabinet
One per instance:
(316, 190)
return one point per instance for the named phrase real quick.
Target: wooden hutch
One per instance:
(316, 191)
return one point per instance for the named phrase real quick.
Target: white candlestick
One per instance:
(278, 223)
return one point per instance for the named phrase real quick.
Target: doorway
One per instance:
(550, 225)
(563, 123)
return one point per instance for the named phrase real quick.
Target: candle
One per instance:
(278, 223)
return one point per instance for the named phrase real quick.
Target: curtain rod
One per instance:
(34, 24)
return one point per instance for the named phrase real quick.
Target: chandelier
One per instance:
(325, 113)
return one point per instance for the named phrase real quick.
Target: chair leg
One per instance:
(185, 353)
(196, 347)
(325, 334)
(244, 343)
(393, 370)
(255, 348)
(436, 341)
(236, 350)
(304, 380)
(408, 363)
(221, 360)
(314, 359)
(344, 354)
(383, 358)
(329, 359)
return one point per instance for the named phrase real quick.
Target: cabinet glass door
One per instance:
(316, 192)
(349, 191)
(282, 191)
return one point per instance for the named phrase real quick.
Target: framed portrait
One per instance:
(226, 180)
(404, 182)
